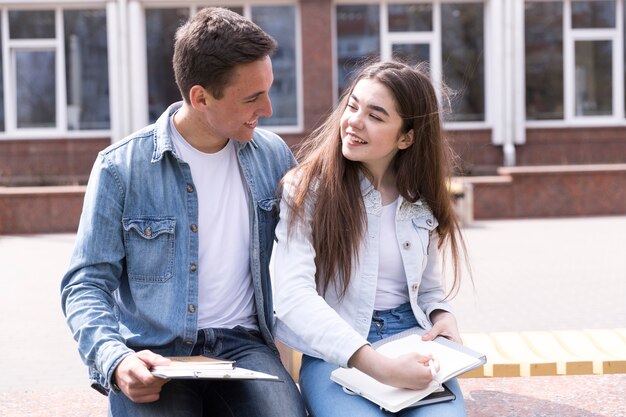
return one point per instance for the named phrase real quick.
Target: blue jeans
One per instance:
(325, 398)
(204, 398)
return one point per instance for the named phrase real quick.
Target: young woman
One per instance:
(363, 222)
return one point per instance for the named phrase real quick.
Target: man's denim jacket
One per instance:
(333, 327)
(132, 283)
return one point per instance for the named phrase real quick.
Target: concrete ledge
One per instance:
(520, 354)
(33, 210)
(550, 191)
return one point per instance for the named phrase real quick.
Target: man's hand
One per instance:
(134, 379)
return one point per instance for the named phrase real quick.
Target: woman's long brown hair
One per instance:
(333, 182)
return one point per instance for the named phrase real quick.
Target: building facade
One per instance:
(525, 83)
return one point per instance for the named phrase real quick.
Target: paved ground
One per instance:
(529, 275)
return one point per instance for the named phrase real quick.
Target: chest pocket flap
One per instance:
(149, 244)
(424, 226)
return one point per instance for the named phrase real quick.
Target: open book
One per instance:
(190, 367)
(454, 359)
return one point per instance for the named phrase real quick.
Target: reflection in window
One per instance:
(280, 23)
(411, 54)
(544, 60)
(87, 74)
(593, 14)
(35, 88)
(594, 91)
(462, 48)
(35, 24)
(358, 39)
(410, 17)
(161, 25)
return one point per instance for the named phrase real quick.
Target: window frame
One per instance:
(9, 49)
(570, 37)
(246, 6)
(433, 39)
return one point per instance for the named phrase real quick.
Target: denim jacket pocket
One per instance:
(424, 226)
(149, 245)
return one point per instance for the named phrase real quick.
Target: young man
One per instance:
(173, 247)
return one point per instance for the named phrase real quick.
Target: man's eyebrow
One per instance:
(371, 106)
(251, 96)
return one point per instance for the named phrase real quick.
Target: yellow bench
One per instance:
(541, 353)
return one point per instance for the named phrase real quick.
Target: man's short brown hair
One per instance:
(211, 44)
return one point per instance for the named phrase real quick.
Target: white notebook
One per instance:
(454, 359)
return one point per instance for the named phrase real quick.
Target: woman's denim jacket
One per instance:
(332, 328)
(132, 283)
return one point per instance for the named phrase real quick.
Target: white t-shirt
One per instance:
(391, 289)
(225, 291)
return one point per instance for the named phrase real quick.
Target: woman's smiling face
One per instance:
(370, 126)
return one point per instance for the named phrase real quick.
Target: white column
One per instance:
(495, 70)
(138, 67)
(114, 70)
(510, 92)
(118, 63)
(519, 77)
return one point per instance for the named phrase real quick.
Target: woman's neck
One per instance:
(386, 186)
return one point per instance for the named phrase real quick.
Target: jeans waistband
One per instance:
(402, 308)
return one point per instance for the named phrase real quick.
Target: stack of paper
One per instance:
(189, 367)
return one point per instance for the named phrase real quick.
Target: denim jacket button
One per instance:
(189, 188)
(194, 228)
(148, 231)
(191, 308)
(429, 222)
(406, 245)
(193, 267)
(188, 342)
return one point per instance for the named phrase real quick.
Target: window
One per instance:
(35, 92)
(280, 23)
(86, 69)
(161, 25)
(52, 85)
(571, 60)
(544, 60)
(277, 20)
(358, 39)
(447, 34)
(463, 66)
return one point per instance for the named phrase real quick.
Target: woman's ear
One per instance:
(406, 140)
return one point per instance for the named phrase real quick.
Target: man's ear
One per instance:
(199, 97)
(406, 140)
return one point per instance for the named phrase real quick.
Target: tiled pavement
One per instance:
(529, 275)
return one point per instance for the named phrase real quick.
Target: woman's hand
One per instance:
(444, 324)
(407, 371)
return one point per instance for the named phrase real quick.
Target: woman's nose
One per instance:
(355, 120)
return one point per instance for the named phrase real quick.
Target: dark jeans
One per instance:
(204, 398)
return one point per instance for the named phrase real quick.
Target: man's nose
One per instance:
(265, 109)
